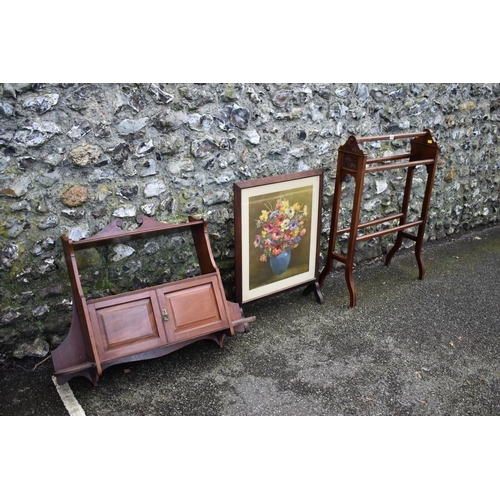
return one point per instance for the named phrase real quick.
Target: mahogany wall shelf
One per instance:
(352, 160)
(146, 323)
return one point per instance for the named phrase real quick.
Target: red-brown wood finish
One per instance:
(352, 160)
(146, 323)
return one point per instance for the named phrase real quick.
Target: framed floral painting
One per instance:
(277, 230)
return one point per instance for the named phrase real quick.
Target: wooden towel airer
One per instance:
(352, 160)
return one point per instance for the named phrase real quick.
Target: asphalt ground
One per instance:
(409, 347)
(420, 348)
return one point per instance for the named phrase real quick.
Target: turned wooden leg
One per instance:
(418, 254)
(394, 249)
(350, 285)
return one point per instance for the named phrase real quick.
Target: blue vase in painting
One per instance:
(279, 263)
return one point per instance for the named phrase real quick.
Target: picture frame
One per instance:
(277, 228)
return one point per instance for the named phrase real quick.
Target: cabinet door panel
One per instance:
(126, 325)
(193, 310)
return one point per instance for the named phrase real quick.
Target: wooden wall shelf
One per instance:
(146, 323)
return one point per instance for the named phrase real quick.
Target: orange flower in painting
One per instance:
(277, 249)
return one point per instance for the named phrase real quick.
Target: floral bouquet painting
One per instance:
(277, 223)
(281, 229)
(280, 239)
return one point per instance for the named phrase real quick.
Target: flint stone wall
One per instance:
(75, 156)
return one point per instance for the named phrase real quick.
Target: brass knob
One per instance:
(164, 313)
